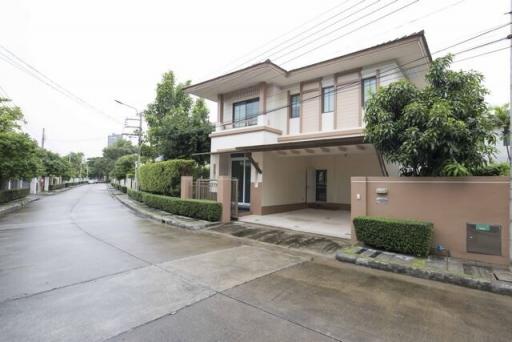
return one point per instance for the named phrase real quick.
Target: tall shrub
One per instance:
(164, 177)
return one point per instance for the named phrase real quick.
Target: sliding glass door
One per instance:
(241, 170)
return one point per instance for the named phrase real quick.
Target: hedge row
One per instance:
(164, 177)
(11, 195)
(199, 209)
(403, 236)
(52, 187)
(120, 187)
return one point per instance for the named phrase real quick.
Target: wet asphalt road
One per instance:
(79, 266)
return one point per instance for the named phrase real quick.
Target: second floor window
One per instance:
(245, 113)
(369, 88)
(295, 106)
(327, 99)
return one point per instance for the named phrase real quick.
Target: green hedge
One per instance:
(11, 195)
(200, 209)
(52, 187)
(403, 236)
(164, 177)
(120, 187)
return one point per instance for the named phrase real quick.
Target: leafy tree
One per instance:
(442, 129)
(76, 165)
(178, 124)
(19, 156)
(120, 148)
(124, 166)
(54, 165)
(99, 167)
(501, 119)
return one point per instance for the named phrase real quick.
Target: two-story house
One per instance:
(293, 138)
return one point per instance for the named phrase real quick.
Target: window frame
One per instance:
(363, 101)
(324, 98)
(245, 122)
(298, 105)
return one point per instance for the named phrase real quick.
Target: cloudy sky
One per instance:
(105, 50)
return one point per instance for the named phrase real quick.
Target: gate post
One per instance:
(358, 202)
(224, 197)
(186, 187)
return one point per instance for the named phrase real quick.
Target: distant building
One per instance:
(113, 138)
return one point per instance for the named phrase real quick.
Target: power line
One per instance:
(286, 33)
(17, 62)
(311, 34)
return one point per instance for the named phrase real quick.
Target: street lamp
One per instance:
(139, 114)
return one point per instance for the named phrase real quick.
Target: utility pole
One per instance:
(510, 162)
(43, 138)
(139, 134)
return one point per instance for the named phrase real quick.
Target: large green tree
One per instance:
(54, 164)
(19, 155)
(99, 167)
(77, 167)
(442, 129)
(178, 124)
(124, 166)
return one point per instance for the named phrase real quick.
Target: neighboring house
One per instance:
(294, 138)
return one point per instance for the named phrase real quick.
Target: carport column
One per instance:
(224, 197)
(186, 187)
(357, 202)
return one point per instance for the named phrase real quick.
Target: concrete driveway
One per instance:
(79, 266)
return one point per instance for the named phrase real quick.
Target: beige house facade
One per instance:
(294, 138)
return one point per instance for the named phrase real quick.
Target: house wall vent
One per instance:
(483, 238)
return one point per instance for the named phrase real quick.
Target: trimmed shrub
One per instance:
(11, 195)
(52, 187)
(164, 177)
(200, 209)
(134, 194)
(402, 236)
(120, 187)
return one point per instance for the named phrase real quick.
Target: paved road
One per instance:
(78, 266)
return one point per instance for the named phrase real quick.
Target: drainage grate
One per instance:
(361, 250)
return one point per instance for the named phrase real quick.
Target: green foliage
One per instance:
(53, 187)
(441, 129)
(178, 125)
(123, 166)
(454, 169)
(19, 156)
(199, 209)
(164, 177)
(112, 153)
(77, 167)
(402, 236)
(493, 169)
(501, 120)
(11, 195)
(54, 165)
(99, 167)
(120, 187)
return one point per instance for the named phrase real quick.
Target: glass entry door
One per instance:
(241, 170)
(321, 185)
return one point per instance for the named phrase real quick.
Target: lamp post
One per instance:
(139, 114)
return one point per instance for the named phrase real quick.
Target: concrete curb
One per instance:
(162, 216)
(496, 286)
(10, 207)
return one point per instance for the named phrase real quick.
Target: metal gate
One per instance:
(206, 189)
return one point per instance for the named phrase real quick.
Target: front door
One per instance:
(241, 170)
(321, 185)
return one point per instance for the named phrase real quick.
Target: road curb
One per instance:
(496, 286)
(162, 216)
(10, 207)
